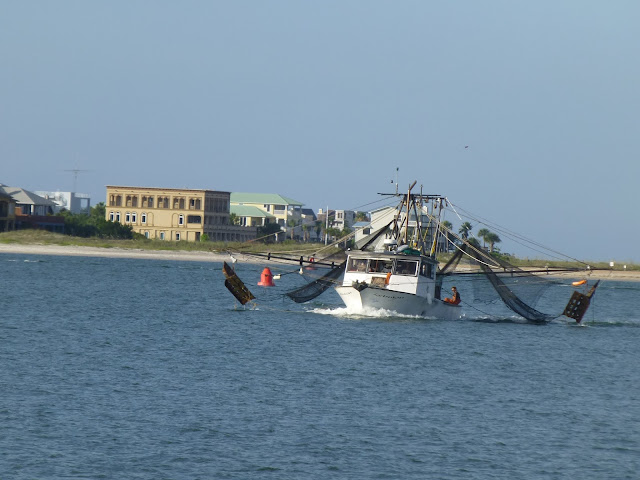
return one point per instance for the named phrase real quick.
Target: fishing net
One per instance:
(519, 289)
(314, 288)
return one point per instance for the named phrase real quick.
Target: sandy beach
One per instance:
(72, 250)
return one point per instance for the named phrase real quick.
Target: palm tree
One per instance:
(465, 230)
(482, 233)
(492, 239)
(292, 223)
(447, 226)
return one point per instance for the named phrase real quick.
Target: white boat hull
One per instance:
(372, 298)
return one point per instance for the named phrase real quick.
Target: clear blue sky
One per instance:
(321, 101)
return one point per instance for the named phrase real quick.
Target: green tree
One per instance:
(234, 219)
(291, 223)
(465, 230)
(482, 233)
(492, 239)
(448, 226)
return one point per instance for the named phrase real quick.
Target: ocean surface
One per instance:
(149, 369)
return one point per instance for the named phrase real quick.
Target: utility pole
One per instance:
(326, 234)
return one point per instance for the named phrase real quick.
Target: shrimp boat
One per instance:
(395, 270)
(399, 273)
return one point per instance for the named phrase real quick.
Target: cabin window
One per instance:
(357, 265)
(404, 267)
(426, 270)
(380, 266)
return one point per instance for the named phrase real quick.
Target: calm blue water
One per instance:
(145, 369)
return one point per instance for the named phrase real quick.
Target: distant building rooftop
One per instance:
(249, 211)
(264, 198)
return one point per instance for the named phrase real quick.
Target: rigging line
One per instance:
(473, 258)
(453, 208)
(506, 231)
(443, 231)
(516, 237)
(380, 200)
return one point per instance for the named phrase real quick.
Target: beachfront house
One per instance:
(32, 210)
(286, 212)
(7, 213)
(175, 214)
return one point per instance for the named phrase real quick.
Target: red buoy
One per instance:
(266, 278)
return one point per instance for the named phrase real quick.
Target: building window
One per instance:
(197, 236)
(127, 217)
(278, 208)
(181, 220)
(194, 219)
(150, 202)
(134, 217)
(111, 216)
(178, 203)
(143, 218)
(177, 236)
(146, 234)
(161, 235)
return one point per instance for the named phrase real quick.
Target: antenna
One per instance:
(76, 171)
(397, 168)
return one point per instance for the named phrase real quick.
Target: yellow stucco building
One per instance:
(175, 214)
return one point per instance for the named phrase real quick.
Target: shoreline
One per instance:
(80, 251)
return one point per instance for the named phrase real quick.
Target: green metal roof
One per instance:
(249, 211)
(263, 198)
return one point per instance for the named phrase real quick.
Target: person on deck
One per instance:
(455, 297)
